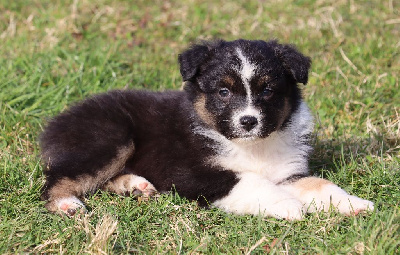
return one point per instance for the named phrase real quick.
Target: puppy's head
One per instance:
(244, 89)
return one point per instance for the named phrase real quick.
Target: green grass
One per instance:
(54, 53)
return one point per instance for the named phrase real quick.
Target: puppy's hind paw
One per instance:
(69, 206)
(140, 186)
(130, 184)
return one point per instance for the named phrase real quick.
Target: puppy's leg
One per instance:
(130, 184)
(255, 195)
(85, 146)
(318, 195)
(62, 193)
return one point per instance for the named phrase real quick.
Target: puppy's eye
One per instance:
(224, 92)
(267, 93)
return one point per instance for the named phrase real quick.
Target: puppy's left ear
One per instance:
(295, 62)
(191, 59)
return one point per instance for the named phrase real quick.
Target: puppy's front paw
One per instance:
(346, 204)
(352, 205)
(289, 209)
(320, 195)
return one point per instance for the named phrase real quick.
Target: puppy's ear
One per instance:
(295, 62)
(191, 59)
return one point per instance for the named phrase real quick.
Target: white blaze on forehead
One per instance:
(246, 72)
(247, 69)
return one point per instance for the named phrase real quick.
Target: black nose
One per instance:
(248, 122)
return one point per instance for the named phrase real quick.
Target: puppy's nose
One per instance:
(248, 122)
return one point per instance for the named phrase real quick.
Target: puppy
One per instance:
(236, 138)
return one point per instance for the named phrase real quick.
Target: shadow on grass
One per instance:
(328, 153)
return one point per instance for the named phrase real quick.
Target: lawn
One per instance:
(55, 53)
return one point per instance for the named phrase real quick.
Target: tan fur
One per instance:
(118, 184)
(67, 187)
(311, 184)
(229, 81)
(286, 110)
(200, 107)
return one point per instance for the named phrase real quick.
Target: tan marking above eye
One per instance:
(263, 80)
(228, 80)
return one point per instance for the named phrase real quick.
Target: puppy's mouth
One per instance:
(246, 135)
(249, 136)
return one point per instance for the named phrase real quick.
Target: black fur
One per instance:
(192, 59)
(86, 137)
(293, 178)
(294, 62)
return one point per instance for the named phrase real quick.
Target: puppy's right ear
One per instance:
(295, 62)
(191, 59)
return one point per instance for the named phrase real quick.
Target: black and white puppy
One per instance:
(237, 138)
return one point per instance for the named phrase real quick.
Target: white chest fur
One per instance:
(276, 157)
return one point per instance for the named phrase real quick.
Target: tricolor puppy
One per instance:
(236, 138)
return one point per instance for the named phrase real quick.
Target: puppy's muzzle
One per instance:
(248, 122)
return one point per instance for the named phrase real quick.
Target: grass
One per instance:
(54, 53)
